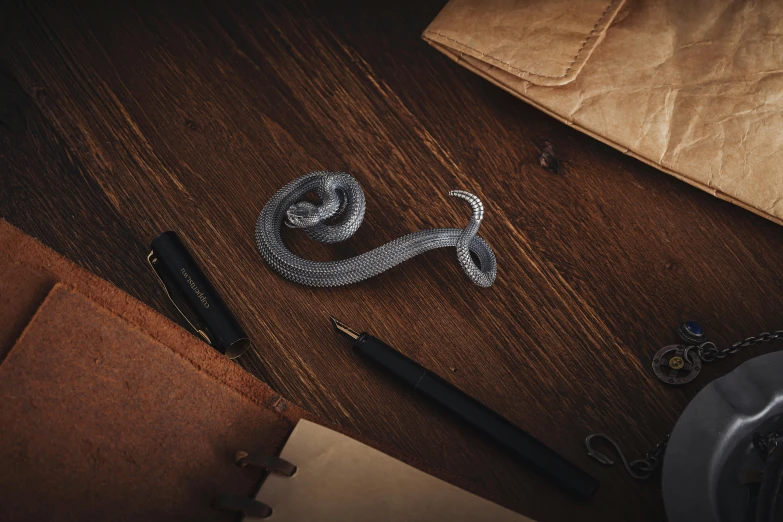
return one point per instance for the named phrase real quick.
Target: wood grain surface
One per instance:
(120, 120)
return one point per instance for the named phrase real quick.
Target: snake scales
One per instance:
(339, 215)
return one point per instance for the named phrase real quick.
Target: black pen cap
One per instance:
(195, 297)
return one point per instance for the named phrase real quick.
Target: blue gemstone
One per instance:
(694, 328)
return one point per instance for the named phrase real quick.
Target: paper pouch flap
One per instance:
(545, 42)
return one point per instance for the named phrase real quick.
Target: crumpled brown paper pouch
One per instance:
(693, 88)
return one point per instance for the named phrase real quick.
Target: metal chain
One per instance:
(708, 352)
(765, 443)
(640, 469)
(653, 459)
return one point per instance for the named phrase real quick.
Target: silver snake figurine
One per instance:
(337, 218)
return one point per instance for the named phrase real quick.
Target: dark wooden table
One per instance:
(120, 121)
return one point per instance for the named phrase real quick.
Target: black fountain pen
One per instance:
(522, 445)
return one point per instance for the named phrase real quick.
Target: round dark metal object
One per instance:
(676, 364)
(711, 447)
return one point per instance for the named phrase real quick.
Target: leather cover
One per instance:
(693, 88)
(109, 411)
(140, 420)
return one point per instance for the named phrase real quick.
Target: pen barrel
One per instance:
(180, 275)
(492, 425)
(390, 359)
(536, 454)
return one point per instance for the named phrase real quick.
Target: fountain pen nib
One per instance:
(344, 329)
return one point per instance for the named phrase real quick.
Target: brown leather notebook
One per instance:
(111, 412)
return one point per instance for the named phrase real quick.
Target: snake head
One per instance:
(302, 215)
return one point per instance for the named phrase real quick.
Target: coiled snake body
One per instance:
(337, 218)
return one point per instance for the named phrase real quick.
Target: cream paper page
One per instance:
(339, 479)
